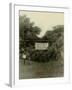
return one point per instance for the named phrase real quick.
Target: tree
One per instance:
(52, 36)
(56, 41)
(27, 33)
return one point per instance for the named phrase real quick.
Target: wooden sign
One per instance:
(41, 46)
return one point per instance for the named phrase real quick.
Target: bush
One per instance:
(41, 56)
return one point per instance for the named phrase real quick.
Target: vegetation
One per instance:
(28, 36)
(27, 33)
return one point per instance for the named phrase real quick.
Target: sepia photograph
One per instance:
(41, 44)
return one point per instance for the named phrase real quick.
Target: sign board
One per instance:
(41, 46)
(24, 56)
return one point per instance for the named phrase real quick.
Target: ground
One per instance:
(33, 69)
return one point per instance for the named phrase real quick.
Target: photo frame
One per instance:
(14, 80)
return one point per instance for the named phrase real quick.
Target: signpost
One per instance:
(24, 57)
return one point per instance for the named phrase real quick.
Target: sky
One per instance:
(44, 20)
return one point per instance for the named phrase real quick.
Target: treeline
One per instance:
(28, 36)
(56, 45)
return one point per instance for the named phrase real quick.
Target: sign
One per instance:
(24, 56)
(41, 46)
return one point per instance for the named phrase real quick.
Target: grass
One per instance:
(33, 69)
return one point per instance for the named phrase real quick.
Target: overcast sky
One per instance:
(44, 20)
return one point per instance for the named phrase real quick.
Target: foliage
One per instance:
(55, 39)
(28, 36)
(27, 33)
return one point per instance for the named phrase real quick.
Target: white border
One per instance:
(15, 47)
